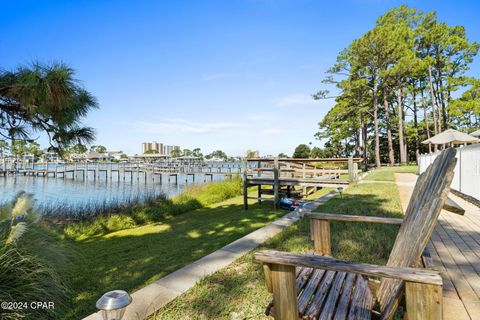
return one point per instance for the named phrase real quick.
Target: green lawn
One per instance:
(387, 174)
(193, 197)
(238, 291)
(131, 258)
(318, 193)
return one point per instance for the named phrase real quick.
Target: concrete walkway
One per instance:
(455, 251)
(154, 296)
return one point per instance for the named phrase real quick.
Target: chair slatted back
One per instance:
(426, 202)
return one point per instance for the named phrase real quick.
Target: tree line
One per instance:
(400, 83)
(197, 153)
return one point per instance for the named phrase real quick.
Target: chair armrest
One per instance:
(351, 218)
(453, 207)
(326, 263)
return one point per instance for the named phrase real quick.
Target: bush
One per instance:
(23, 277)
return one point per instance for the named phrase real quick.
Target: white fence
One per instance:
(467, 171)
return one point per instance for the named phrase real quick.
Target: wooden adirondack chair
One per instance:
(315, 286)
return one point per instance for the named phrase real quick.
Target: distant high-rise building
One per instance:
(145, 147)
(155, 146)
(167, 150)
(158, 147)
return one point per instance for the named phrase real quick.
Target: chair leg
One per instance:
(284, 292)
(321, 237)
(424, 301)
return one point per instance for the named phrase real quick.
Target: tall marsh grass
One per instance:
(92, 209)
(23, 277)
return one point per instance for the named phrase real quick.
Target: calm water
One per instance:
(50, 190)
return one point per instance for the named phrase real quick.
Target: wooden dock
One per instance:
(175, 172)
(85, 171)
(282, 176)
(455, 251)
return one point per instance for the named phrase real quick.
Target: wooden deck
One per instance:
(283, 175)
(455, 251)
(303, 182)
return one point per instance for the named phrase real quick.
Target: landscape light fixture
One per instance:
(340, 190)
(299, 211)
(113, 304)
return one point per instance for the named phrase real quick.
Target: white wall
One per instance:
(467, 171)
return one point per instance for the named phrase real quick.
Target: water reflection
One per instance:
(59, 191)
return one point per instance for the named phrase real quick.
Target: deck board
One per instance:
(455, 251)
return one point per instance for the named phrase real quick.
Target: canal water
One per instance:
(68, 192)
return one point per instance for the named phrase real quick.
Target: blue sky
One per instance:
(230, 75)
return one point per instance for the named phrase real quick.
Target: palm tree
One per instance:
(44, 98)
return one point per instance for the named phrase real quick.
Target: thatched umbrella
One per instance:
(476, 133)
(451, 136)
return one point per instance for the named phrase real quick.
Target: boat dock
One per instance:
(299, 177)
(85, 171)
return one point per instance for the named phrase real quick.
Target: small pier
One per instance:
(170, 172)
(296, 177)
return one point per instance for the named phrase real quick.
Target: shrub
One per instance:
(23, 277)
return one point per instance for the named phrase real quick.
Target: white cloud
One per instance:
(294, 99)
(179, 125)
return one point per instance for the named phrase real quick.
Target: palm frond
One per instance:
(45, 98)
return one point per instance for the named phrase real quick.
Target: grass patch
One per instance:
(364, 242)
(194, 197)
(388, 173)
(319, 193)
(129, 259)
(238, 291)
